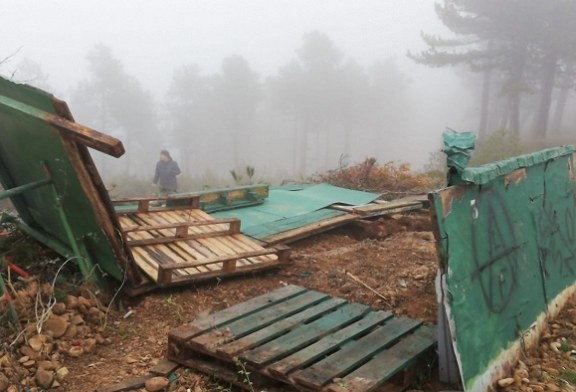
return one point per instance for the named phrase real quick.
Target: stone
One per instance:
(76, 320)
(71, 331)
(62, 373)
(57, 325)
(71, 302)
(23, 359)
(522, 373)
(75, 351)
(29, 364)
(29, 352)
(536, 388)
(12, 388)
(44, 378)
(156, 384)
(59, 308)
(552, 387)
(4, 382)
(5, 361)
(130, 359)
(48, 365)
(88, 344)
(99, 339)
(95, 315)
(37, 342)
(505, 382)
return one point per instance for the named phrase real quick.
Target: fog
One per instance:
(229, 84)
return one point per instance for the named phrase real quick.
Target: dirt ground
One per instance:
(395, 257)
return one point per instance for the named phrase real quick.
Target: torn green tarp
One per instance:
(294, 207)
(457, 146)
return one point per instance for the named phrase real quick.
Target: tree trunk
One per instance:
(548, 76)
(515, 113)
(556, 125)
(482, 128)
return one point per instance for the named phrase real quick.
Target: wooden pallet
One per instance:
(177, 243)
(303, 338)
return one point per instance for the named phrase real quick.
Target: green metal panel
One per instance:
(507, 246)
(293, 207)
(33, 150)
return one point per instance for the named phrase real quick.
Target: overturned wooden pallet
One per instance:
(174, 242)
(302, 338)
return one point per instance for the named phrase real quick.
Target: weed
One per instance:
(244, 373)
(569, 376)
(176, 308)
(565, 347)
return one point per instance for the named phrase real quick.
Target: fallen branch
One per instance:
(355, 279)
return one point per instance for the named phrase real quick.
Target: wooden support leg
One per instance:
(229, 266)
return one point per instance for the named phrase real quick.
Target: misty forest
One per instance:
(514, 60)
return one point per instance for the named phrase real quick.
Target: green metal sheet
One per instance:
(294, 207)
(32, 149)
(507, 243)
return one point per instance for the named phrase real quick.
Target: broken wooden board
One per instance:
(176, 245)
(303, 338)
(382, 208)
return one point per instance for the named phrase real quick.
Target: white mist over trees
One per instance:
(524, 50)
(310, 116)
(229, 85)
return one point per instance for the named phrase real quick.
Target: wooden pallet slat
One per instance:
(304, 335)
(256, 321)
(306, 339)
(216, 320)
(232, 349)
(383, 366)
(323, 347)
(184, 245)
(353, 354)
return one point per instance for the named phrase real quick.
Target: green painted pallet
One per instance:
(303, 338)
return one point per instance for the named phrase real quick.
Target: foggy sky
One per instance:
(152, 38)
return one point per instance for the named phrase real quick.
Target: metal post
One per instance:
(23, 188)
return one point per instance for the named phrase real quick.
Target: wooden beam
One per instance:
(86, 136)
(165, 270)
(230, 221)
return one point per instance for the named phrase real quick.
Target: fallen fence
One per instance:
(507, 246)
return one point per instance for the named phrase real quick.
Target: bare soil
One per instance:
(395, 257)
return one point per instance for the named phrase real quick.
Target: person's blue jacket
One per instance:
(165, 175)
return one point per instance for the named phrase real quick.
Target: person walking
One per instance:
(165, 175)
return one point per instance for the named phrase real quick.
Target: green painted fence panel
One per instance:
(507, 246)
(31, 149)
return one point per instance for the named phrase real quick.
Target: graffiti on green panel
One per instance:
(508, 244)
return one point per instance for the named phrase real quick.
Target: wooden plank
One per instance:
(232, 349)
(238, 241)
(175, 238)
(216, 320)
(307, 231)
(325, 346)
(304, 335)
(214, 260)
(177, 197)
(354, 354)
(177, 224)
(190, 254)
(128, 385)
(256, 321)
(145, 262)
(164, 367)
(194, 253)
(384, 365)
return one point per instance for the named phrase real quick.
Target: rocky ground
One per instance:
(71, 342)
